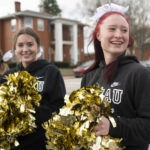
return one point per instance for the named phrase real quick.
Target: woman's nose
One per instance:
(25, 48)
(118, 33)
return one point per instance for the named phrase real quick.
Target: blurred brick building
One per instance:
(62, 40)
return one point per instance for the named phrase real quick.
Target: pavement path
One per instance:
(72, 84)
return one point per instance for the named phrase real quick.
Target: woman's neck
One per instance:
(25, 65)
(110, 59)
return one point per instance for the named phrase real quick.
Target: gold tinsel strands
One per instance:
(18, 96)
(71, 129)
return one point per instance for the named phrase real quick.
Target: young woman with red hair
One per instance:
(125, 81)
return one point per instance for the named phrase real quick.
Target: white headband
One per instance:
(7, 56)
(100, 11)
(40, 53)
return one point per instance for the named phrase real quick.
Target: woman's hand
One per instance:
(103, 127)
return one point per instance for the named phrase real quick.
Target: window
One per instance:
(40, 23)
(67, 32)
(13, 24)
(28, 22)
(71, 32)
(52, 32)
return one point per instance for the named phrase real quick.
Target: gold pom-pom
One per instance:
(72, 127)
(18, 96)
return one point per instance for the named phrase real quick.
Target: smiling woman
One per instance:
(114, 36)
(26, 49)
(120, 76)
(26, 46)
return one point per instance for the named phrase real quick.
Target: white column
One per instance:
(58, 42)
(75, 45)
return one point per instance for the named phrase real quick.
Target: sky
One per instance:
(68, 7)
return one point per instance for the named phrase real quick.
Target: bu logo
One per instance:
(40, 86)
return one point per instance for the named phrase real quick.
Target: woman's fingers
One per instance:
(102, 128)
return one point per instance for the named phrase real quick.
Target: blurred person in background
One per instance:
(4, 59)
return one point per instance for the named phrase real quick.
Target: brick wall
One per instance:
(7, 39)
(66, 33)
(44, 37)
(146, 54)
(66, 53)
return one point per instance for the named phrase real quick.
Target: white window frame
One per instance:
(13, 23)
(40, 24)
(28, 22)
(40, 54)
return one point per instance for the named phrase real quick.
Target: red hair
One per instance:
(110, 69)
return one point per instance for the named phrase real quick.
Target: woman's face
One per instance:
(26, 49)
(114, 35)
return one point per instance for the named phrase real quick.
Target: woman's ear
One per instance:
(98, 36)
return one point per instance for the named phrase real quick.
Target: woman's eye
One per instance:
(112, 29)
(20, 45)
(124, 30)
(29, 44)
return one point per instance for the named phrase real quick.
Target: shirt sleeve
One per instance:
(52, 96)
(136, 129)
